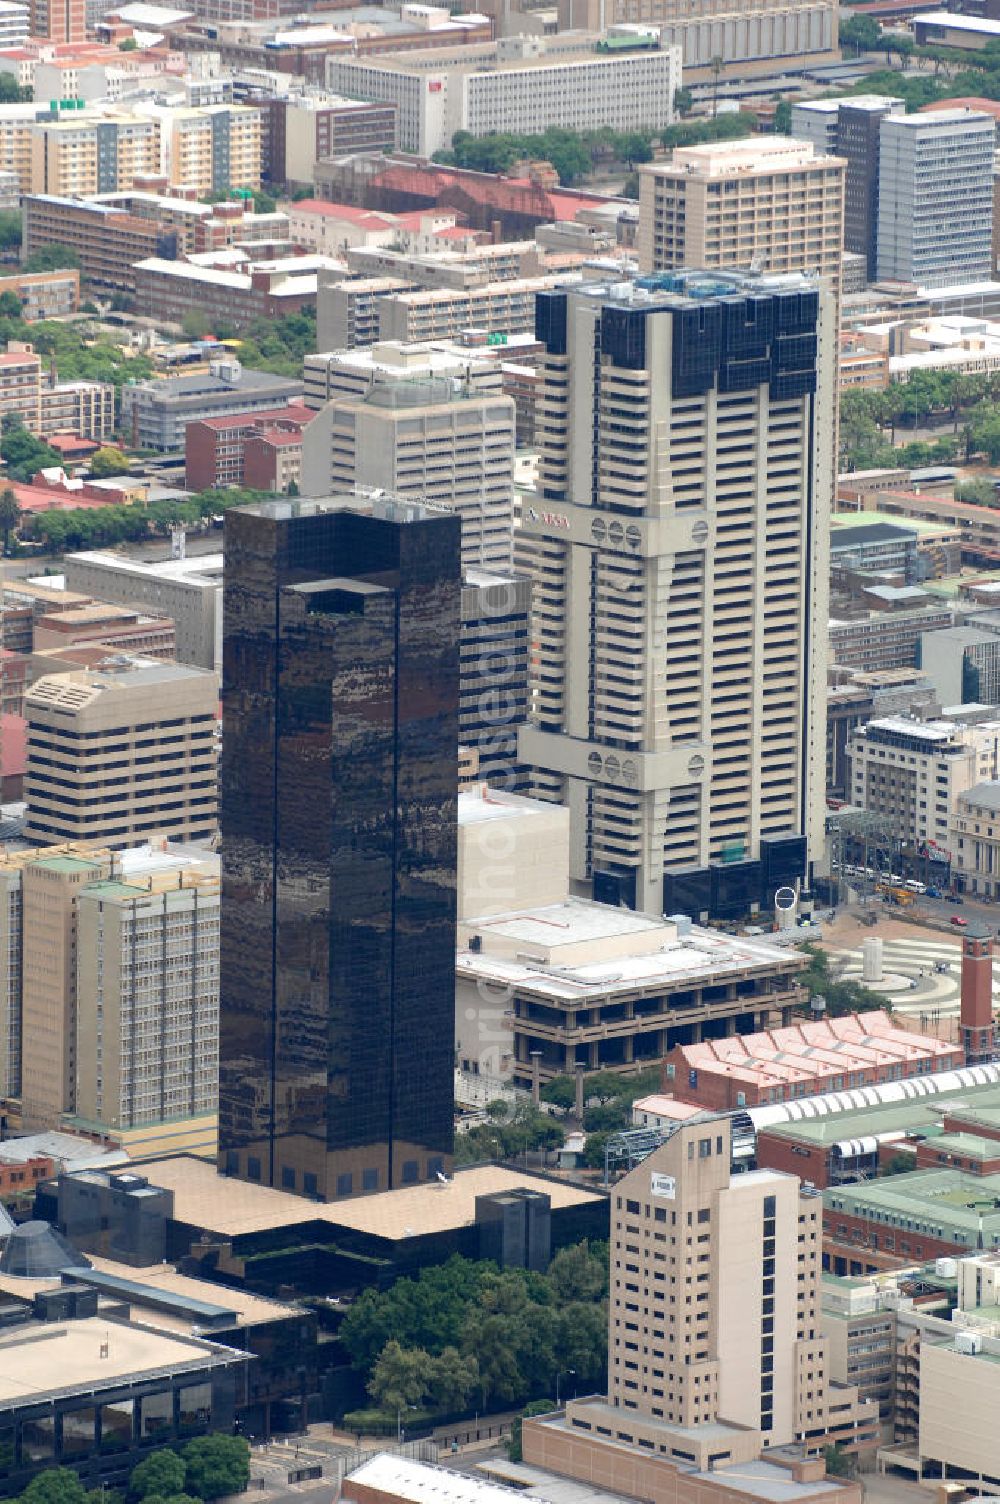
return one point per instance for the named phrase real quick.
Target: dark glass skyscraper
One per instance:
(338, 815)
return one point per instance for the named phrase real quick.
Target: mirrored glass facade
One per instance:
(339, 778)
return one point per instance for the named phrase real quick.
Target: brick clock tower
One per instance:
(977, 1029)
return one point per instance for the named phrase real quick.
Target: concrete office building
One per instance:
(548, 983)
(188, 591)
(303, 129)
(147, 1003)
(715, 1350)
(516, 84)
(747, 38)
(963, 664)
(340, 717)
(885, 640)
(352, 373)
(110, 992)
(365, 310)
(912, 772)
(678, 557)
(935, 212)
(432, 438)
(121, 753)
(849, 128)
(767, 203)
(155, 413)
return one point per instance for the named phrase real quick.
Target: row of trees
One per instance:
(206, 1468)
(102, 527)
(465, 1334)
(508, 1132)
(970, 403)
(576, 154)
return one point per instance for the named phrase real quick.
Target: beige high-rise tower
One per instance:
(768, 203)
(714, 1345)
(50, 887)
(678, 549)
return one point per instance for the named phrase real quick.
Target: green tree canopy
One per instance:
(217, 1465)
(23, 453)
(10, 223)
(52, 258)
(107, 462)
(399, 1377)
(57, 1485)
(560, 1092)
(159, 1475)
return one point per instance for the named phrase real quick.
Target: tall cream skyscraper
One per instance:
(678, 549)
(715, 1350)
(767, 204)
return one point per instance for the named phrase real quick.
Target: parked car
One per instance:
(959, 920)
(933, 892)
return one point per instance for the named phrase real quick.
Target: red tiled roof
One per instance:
(295, 412)
(70, 443)
(968, 102)
(348, 212)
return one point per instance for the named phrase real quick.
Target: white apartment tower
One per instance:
(678, 555)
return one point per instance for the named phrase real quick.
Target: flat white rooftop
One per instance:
(200, 569)
(569, 962)
(36, 1361)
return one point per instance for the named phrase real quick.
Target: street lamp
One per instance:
(569, 1373)
(399, 1421)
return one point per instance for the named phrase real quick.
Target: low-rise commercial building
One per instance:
(188, 591)
(547, 983)
(912, 772)
(161, 716)
(364, 310)
(518, 84)
(849, 1135)
(111, 232)
(237, 287)
(97, 1395)
(884, 639)
(155, 413)
(926, 1214)
(231, 451)
(44, 295)
(803, 1059)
